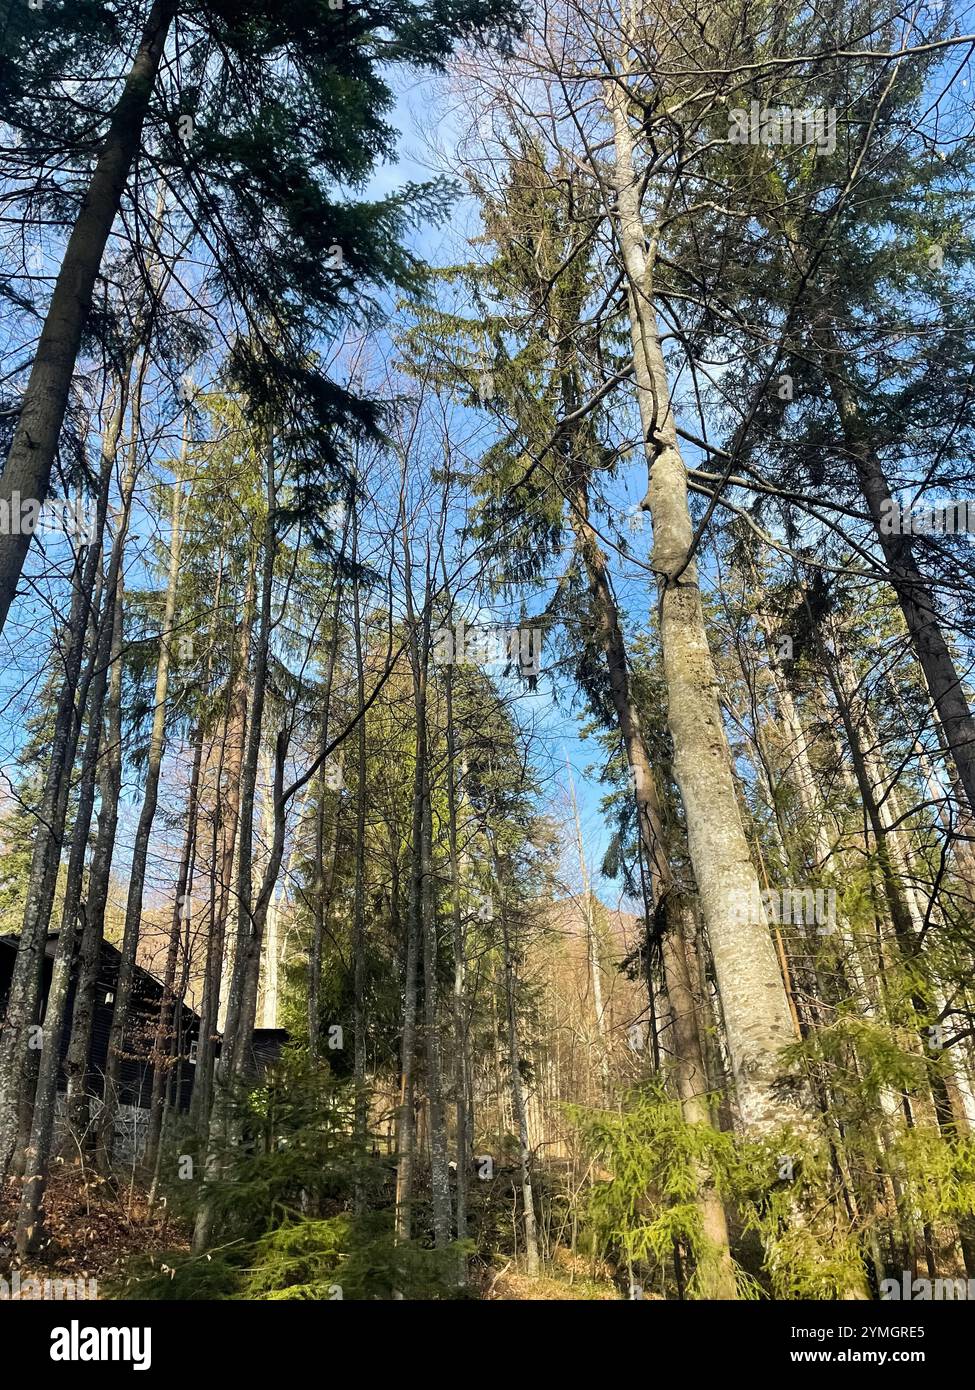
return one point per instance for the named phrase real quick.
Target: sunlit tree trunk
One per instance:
(753, 997)
(718, 1278)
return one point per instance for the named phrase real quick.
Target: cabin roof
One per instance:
(146, 984)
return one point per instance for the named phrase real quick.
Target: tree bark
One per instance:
(519, 1111)
(753, 996)
(717, 1275)
(140, 853)
(359, 889)
(23, 1002)
(461, 1066)
(913, 591)
(324, 884)
(242, 995)
(28, 468)
(226, 822)
(99, 878)
(30, 1219)
(162, 1046)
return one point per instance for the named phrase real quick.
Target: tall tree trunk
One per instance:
(226, 823)
(324, 882)
(913, 591)
(23, 1001)
(439, 1169)
(99, 878)
(405, 1113)
(269, 978)
(110, 786)
(717, 1275)
(30, 1220)
(423, 926)
(461, 1065)
(753, 997)
(903, 918)
(28, 468)
(592, 950)
(415, 940)
(252, 910)
(519, 1111)
(359, 889)
(140, 853)
(110, 782)
(162, 1046)
(242, 995)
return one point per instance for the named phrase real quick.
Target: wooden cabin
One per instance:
(136, 1072)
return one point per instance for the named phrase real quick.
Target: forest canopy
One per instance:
(486, 587)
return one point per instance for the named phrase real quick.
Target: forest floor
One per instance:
(568, 1277)
(95, 1228)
